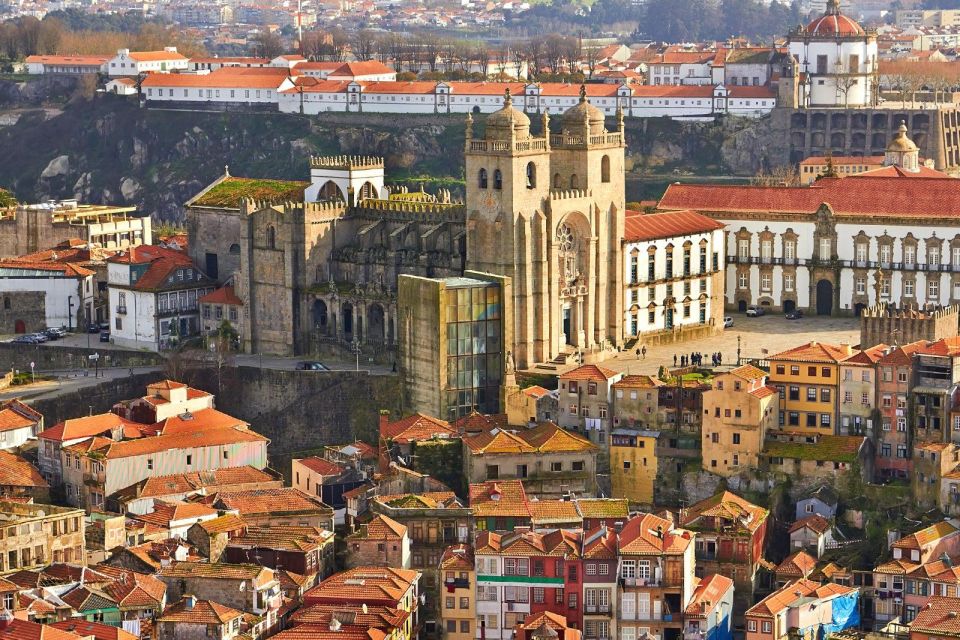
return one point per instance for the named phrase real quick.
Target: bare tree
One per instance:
(482, 56)
(591, 57)
(777, 176)
(363, 44)
(433, 47)
(554, 49)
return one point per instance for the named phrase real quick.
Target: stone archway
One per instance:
(330, 191)
(789, 305)
(824, 297)
(320, 317)
(376, 326)
(572, 245)
(346, 313)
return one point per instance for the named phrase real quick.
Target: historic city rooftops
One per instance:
(545, 438)
(647, 534)
(814, 351)
(589, 372)
(89, 426)
(725, 506)
(708, 593)
(259, 576)
(223, 295)
(861, 195)
(458, 557)
(280, 500)
(795, 593)
(940, 616)
(416, 427)
(194, 611)
(427, 500)
(197, 481)
(499, 498)
(816, 523)
(293, 538)
(641, 227)
(374, 585)
(799, 564)
(381, 527)
(15, 471)
(926, 536)
(563, 543)
(828, 448)
(111, 450)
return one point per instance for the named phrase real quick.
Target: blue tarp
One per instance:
(846, 614)
(722, 630)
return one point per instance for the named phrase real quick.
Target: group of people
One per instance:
(696, 359)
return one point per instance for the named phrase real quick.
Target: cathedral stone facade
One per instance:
(318, 262)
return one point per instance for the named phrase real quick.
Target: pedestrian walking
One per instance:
(638, 354)
(643, 352)
(674, 360)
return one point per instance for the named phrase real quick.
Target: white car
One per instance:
(727, 322)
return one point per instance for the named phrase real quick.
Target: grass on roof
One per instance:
(231, 191)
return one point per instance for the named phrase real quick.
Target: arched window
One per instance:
(482, 180)
(557, 181)
(574, 183)
(605, 169)
(497, 179)
(271, 237)
(234, 248)
(531, 175)
(6, 302)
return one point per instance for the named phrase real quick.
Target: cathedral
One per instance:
(318, 262)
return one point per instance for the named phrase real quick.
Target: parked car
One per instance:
(105, 336)
(40, 337)
(796, 314)
(24, 339)
(727, 322)
(308, 365)
(93, 327)
(755, 311)
(54, 333)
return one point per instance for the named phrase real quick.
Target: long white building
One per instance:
(842, 244)
(311, 95)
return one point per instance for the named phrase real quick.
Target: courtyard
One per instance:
(758, 338)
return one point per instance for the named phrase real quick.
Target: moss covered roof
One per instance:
(230, 191)
(827, 448)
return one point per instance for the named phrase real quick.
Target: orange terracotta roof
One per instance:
(708, 594)
(457, 557)
(228, 523)
(16, 471)
(266, 501)
(503, 498)
(925, 536)
(653, 226)
(217, 571)
(535, 391)
(370, 584)
(814, 352)
(797, 591)
(380, 528)
(815, 523)
(799, 564)
(165, 513)
(553, 511)
(637, 382)
(25, 630)
(94, 630)
(200, 612)
(603, 508)
(417, 427)
(17, 415)
(223, 295)
(589, 372)
(940, 615)
(729, 506)
(321, 465)
(860, 195)
(749, 372)
(647, 534)
(89, 426)
(184, 440)
(80, 60)
(66, 269)
(365, 68)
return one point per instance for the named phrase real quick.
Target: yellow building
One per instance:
(633, 464)
(808, 379)
(457, 605)
(737, 413)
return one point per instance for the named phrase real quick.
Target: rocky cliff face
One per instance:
(109, 150)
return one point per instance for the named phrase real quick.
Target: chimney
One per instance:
(6, 619)
(846, 348)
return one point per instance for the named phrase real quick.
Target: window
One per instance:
(824, 395)
(482, 179)
(766, 623)
(788, 282)
(497, 179)
(751, 625)
(736, 437)
(605, 169)
(811, 394)
(933, 289)
(790, 249)
(765, 281)
(860, 285)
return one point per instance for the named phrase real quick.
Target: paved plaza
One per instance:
(772, 333)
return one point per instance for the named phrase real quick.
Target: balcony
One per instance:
(122, 309)
(457, 583)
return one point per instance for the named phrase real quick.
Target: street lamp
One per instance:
(355, 345)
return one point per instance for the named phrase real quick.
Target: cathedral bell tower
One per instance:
(507, 183)
(548, 212)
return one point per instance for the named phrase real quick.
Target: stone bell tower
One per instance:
(507, 176)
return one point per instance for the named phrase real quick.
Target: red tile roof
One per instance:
(860, 195)
(18, 472)
(640, 227)
(375, 585)
(24, 630)
(728, 506)
(95, 630)
(380, 528)
(799, 564)
(417, 427)
(365, 68)
(708, 594)
(816, 523)
(89, 426)
(647, 534)
(283, 500)
(321, 465)
(940, 616)
(499, 498)
(589, 372)
(17, 415)
(200, 612)
(223, 295)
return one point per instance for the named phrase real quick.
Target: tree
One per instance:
(785, 176)
(266, 44)
(363, 44)
(7, 199)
